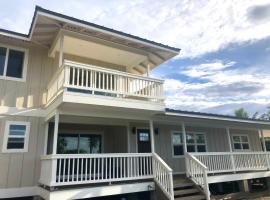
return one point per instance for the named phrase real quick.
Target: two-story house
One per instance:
(81, 118)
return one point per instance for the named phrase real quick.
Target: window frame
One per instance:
(6, 137)
(240, 150)
(195, 141)
(185, 142)
(25, 63)
(172, 145)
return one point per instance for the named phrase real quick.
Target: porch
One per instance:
(94, 153)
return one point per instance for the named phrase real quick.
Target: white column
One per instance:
(184, 137)
(55, 133)
(152, 136)
(46, 138)
(230, 147)
(263, 140)
(128, 137)
(148, 70)
(61, 50)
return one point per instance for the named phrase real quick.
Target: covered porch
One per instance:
(96, 152)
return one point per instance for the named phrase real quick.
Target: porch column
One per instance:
(184, 137)
(230, 147)
(263, 140)
(61, 50)
(128, 137)
(152, 136)
(55, 133)
(46, 138)
(148, 69)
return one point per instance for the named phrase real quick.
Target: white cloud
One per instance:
(197, 27)
(225, 84)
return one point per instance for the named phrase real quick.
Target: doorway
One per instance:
(143, 141)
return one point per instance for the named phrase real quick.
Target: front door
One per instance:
(144, 141)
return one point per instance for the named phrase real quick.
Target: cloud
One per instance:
(197, 27)
(259, 13)
(225, 84)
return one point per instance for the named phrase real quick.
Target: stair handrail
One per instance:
(197, 172)
(163, 176)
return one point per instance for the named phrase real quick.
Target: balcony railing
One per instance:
(77, 169)
(89, 79)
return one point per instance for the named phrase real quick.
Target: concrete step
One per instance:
(194, 197)
(186, 192)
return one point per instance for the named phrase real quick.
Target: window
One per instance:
(144, 137)
(177, 142)
(12, 63)
(16, 136)
(78, 143)
(240, 142)
(196, 142)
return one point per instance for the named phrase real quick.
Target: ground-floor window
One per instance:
(224, 188)
(257, 185)
(69, 143)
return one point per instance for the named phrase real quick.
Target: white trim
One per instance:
(103, 31)
(6, 136)
(216, 118)
(25, 62)
(195, 144)
(55, 132)
(172, 145)
(241, 134)
(91, 192)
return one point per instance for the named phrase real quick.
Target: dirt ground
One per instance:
(245, 196)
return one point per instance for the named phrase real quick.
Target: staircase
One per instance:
(184, 189)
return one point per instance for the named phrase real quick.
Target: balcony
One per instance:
(96, 85)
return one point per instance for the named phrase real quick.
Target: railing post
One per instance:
(171, 185)
(206, 186)
(67, 75)
(53, 172)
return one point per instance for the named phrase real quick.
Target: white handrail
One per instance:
(89, 79)
(219, 162)
(60, 170)
(197, 172)
(163, 176)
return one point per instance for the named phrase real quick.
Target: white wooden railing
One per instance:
(73, 169)
(89, 79)
(197, 172)
(219, 162)
(67, 169)
(163, 176)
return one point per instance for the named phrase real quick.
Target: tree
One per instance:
(266, 116)
(241, 113)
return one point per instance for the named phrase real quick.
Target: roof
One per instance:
(40, 9)
(214, 116)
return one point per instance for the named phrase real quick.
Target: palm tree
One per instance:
(241, 113)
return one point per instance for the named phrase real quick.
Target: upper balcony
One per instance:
(88, 84)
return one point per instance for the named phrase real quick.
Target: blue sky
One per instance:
(225, 59)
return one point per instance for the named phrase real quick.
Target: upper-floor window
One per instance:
(240, 142)
(13, 62)
(16, 136)
(196, 142)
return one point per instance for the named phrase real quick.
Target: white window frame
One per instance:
(172, 145)
(6, 136)
(240, 142)
(195, 141)
(25, 63)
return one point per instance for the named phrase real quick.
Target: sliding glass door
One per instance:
(78, 143)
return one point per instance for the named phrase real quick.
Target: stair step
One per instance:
(194, 197)
(182, 185)
(185, 192)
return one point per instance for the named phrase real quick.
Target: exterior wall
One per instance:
(216, 141)
(22, 169)
(32, 92)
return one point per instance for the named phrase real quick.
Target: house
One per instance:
(81, 118)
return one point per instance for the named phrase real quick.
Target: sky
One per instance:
(224, 62)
